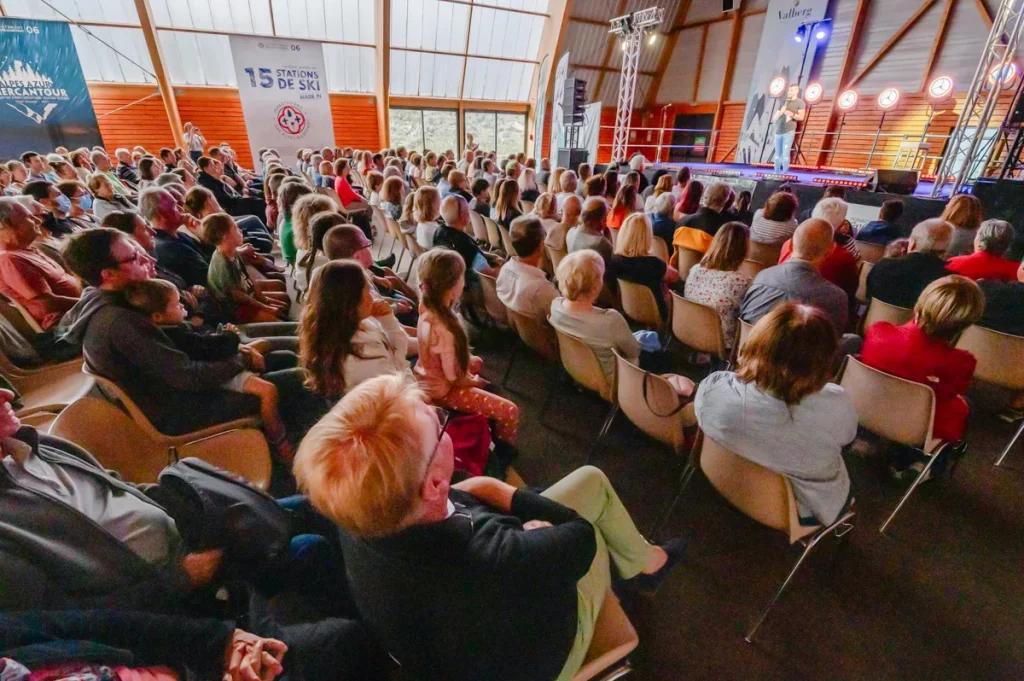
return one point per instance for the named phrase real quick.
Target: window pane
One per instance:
(480, 124)
(406, 129)
(511, 134)
(440, 128)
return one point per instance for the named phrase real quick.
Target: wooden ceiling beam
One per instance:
(382, 70)
(730, 65)
(986, 16)
(667, 49)
(896, 37)
(849, 60)
(608, 53)
(163, 78)
(940, 38)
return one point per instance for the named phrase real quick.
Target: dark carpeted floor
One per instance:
(940, 597)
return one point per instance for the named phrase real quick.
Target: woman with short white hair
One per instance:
(833, 210)
(567, 183)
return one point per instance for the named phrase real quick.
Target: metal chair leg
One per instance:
(1010, 445)
(511, 361)
(843, 522)
(604, 430)
(920, 478)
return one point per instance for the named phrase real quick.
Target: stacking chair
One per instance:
(538, 336)
(660, 249)
(870, 252)
(685, 259)
(495, 308)
(1000, 359)
(652, 405)
(397, 240)
(896, 409)
(506, 241)
(751, 268)
(554, 256)
(222, 442)
(582, 365)
(329, 191)
(493, 235)
(743, 330)
(698, 327)
(479, 228)
(412, 245)
(763, 253)
(19, 317)
(47, 389)
(527, 207)
(639, 304)
(380, 228)
(614, 639)
(765, 497)
(862, 286)
(879, 311)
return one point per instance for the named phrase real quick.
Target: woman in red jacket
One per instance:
(922, 349)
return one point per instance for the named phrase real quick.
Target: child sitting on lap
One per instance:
(160, 301)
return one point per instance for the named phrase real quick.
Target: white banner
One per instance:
(283, 87)
(539, 111)
(591, 131)
(557, 129)
(778, 55)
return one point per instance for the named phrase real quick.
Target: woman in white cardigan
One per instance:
(346, 336)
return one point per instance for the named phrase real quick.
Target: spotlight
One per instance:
(1010, 72)
(777, 87)
(800, 33)
(625, 44)
(940, 89)
(653, 39)
(847, 100)
(888, 99)
(821, 34)
(813, 93)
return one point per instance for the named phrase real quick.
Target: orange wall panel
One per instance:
(143, 123)
(355, 121)
(218, 113)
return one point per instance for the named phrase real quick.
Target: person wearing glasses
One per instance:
(477, 580)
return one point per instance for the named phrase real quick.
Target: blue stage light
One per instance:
(800, 33)
(821, 34)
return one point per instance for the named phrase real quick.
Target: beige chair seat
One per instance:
(614, 639)
(640, 305)
(51, 388)
(495, 308)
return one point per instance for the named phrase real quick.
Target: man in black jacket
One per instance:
(900, 281)
(710, 218)
(473, 581)
(174, 252)
(211, 174)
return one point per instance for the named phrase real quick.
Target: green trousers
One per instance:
(588, 492)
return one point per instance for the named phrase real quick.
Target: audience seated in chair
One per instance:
(900, 281)
(716, 281)
(287, 195)
(964, 213)
(557, 236)
(780, 411)
(989, 260)
(884, 230)
(484, 581)
(522, 286)
(775, 224)
(212, 177)
(591, 232)
(711, 216)
(840, 266)
(200, 202)
(452, 234)
(634, 261)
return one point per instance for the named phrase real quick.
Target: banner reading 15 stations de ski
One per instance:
(283, 87)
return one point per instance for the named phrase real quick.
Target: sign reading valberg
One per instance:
(283, 88)
(44, 101)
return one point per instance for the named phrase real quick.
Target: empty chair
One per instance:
(896, 409)
(870, 252)
(698, 327)
(751, 268)
(639, 304)
(651, 404)
(583, 366)
(495, 308)
(879, 311)
(686, 258)
(1000, 358)
(763, 253)
(767, 498)
(862, 286)
(614, 638)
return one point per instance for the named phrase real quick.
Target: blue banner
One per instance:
(44, 102)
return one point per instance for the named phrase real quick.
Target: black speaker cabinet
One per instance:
(572, 158)
(902, 182)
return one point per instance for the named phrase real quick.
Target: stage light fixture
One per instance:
(800, 33)
(821, 34)
(653, 39)
(625, 44)
(1010, 73)
(940, 89)
(888, 99)
(847, 100)
(777, 87)
(813, 93)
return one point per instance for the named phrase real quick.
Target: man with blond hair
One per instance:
(472, 581)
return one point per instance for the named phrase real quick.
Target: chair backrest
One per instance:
(685, 260)
(412, 245)
(582, 364)
(763, 253)
(879, 311)
(394, 229)
(380, 226)
(654, 414)
(115, 394)
(493, 235)
(697, 326)
(113, 438)
(763, 495)
(495, 308)
(527, 207)
(479, 228)
(506, 241)
(870, 252)
(1000, 356)
(329, 191)
(412, 277)
(19, 317)
(892, 407)
(862, 285)
(538, 336)
(660, 249)
(751, 268)
(614, 638)
(639, 304)
(554, 256)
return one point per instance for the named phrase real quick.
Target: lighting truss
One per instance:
(966, 148)
(631, 28)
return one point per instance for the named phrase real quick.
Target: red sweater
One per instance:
(840, 267)
(905, 351)
(345, 191)
(984, 265)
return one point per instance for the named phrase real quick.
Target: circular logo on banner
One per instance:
(291, 120)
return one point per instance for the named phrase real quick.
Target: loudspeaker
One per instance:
(903, 182)
(572, 158)
(728, 5)
(574, 100)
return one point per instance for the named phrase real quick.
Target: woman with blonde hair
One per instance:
(664, 185)
(391, 195)
(780, 410)
(414, 168)
(924, 351)
(555, 183)
(716, 281)
(426, 209)
(546, 208)
(965, 214)
(430, 169)
(506, 206)
(528, 190)
(633, 261)
(568, 184)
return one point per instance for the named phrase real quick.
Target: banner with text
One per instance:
(779, 55)
(44, 101)
(283, 87)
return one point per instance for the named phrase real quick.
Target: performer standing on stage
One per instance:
(794, 109)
